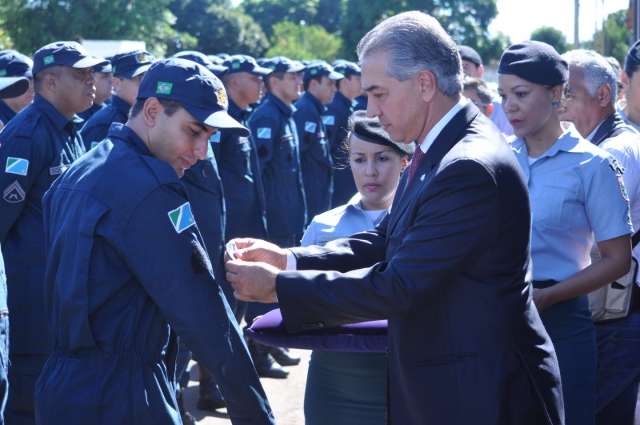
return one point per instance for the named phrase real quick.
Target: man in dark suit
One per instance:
(447, 267)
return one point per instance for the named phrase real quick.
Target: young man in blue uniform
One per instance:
(274, 132)
(10, 87)
(236, 168)
(336, 120)
(128, 69)
(15, 64)
(104, 83)
(36, 147)
(319, 82)
(128, 269)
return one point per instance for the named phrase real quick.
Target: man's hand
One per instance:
(257, 250)
(252, 281)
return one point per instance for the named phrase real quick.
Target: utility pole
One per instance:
(576, 25)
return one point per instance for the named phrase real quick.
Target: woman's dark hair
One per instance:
(370, 130)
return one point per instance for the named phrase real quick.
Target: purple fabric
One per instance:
(364, 336)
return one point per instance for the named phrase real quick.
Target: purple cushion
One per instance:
(364, 336)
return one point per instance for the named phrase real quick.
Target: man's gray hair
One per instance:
(597, 71)
(416, 42)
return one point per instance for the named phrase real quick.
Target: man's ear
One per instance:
(603, 95)
(150, 111)
(427, 85)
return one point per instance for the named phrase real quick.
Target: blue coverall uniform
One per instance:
(127, 268)
(315, 155)
(274, 131)
(97, 127)
(336, 120)
(36, 147)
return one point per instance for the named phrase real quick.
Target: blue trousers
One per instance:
(572, 332)
(618, 370)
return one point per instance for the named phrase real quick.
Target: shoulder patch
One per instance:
(14, 193)
(310, 126)
(19, 166)
(181, 218)
(264, 133)
(329, 120)
(215, 137)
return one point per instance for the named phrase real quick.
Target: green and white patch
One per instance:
(19, 166)
(181, 218)
(164, 87)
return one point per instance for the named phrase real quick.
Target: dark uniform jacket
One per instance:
(239, 168)
(97, 127)
(36, 147)
(126, 269)
(447, 269)
(315, 155)
(611, 127)
(336, 120)
(274, 131)
(85, 115)
(6, 113)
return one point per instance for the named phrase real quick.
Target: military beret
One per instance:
(370, 130)
(469, 54)
(632, 60)
(536, 62)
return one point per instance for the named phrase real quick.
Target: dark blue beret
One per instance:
(632, 60)
(370, 130)
(470, 54)
(536, 62)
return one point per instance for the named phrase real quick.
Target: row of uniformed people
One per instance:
(105, 311)
(42, 142)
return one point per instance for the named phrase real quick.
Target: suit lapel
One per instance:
(450, 135)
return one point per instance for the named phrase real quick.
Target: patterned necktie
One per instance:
(418, 155)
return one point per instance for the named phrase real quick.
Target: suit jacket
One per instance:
(447, 268)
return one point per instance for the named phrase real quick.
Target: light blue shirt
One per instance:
(339, 222)
(576, 194)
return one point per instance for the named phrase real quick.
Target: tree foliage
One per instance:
(36, 23)
(217, 27)
(303, 42)
(269, 13)
(552, 36)
(613, 39)
(465, 20)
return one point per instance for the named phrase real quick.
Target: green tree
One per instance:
(552, 36)
(465, 20)
(613, 39)
(230, 31)
(303, 42)
(36, 23)
(268, 13)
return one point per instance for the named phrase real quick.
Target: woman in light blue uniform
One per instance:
(577, 197)
(350, 388)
